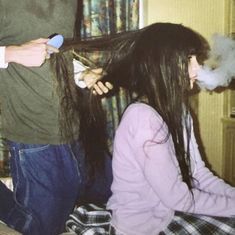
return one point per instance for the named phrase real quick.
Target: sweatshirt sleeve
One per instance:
(161, 170)
(205, 180)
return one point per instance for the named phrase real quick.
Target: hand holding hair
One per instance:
(92, 79)
(29, 54)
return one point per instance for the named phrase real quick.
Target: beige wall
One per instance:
(207, 17)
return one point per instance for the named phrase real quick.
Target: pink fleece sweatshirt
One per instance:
(148, 187)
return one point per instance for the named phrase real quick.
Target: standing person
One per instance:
(160, 182)
(48, 170)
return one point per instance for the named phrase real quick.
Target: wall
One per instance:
(207, 17)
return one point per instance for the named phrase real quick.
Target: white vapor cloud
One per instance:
(219, 70)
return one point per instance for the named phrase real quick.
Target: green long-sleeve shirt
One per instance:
(29, 103)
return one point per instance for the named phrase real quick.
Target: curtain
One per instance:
(107, 17)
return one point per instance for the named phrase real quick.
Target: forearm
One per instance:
(13, 54)
(204, 179)
(164, 178)
(29, 54)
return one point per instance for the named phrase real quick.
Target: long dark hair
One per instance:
(155, 67)
(150, 63)
(81, 115)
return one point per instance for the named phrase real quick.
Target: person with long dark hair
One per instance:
(161, 184)
(48, 165)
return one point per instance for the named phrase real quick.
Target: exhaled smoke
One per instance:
(219, 69)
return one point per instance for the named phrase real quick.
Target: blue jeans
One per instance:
(48, 181)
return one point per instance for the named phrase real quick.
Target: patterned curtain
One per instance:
(107, 17)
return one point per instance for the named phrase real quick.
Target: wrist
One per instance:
(10, 54)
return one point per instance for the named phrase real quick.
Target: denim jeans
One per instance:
(48, 181)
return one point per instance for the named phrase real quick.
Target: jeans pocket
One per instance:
(35, 163)
(47, 181)
(50, 166)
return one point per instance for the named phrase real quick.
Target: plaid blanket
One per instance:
(92, 219)
(192, 224)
